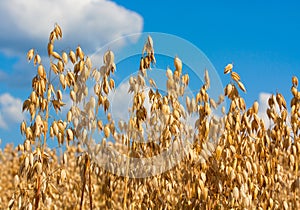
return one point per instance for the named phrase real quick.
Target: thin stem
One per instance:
(84, 179)
(90, 189)
(38, 192)
(126, 177)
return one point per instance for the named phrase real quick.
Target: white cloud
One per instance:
(10, 110)
(2, 123)
(121, 101)
(263, 106)
(90, 23)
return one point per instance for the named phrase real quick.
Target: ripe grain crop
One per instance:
(234, 162)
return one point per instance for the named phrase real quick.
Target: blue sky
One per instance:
(261, 38)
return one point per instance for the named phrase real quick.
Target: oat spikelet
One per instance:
(235, 76)
(241, 86)
(228, 68)
(30, 54)
(178, 64)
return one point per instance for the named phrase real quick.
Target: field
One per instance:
(233, 161)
